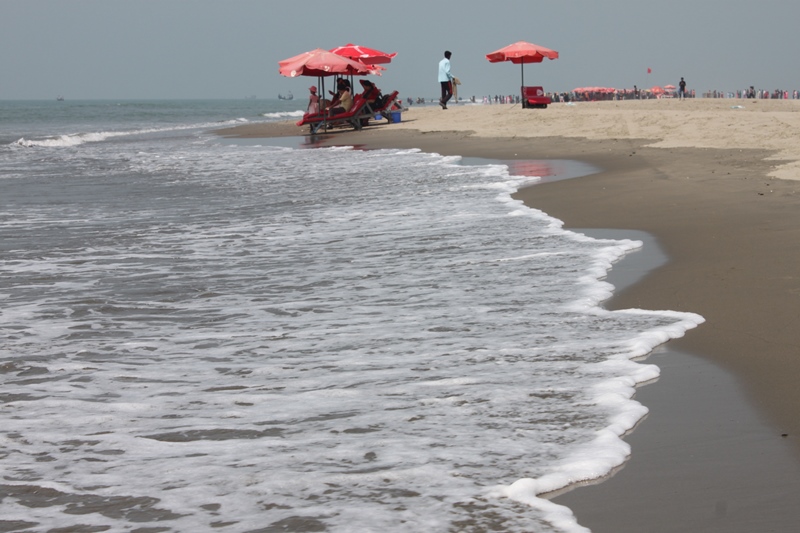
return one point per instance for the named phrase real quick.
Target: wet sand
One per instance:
(720, 450)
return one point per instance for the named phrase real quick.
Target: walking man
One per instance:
(682, 90)
(445, 79)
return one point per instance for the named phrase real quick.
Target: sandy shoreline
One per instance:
(700, 177)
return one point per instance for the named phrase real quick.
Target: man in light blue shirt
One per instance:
(445, 79)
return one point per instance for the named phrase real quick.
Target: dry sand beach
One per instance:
(716, 183)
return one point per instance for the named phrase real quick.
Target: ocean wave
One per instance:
(284, 114)
(77, 139)
(64, 140)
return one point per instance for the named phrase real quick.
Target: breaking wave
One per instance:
(283, 114)
(77, 139)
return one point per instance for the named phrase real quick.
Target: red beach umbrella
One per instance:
(292, 59)
(320, 62)
(368, 56)
(520, 53)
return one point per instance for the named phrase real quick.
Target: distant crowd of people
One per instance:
(751, 92)
(624, 94)
(447, 81)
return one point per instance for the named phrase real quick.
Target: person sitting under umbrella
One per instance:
(342, 102)
(341, 83)
(371, 91)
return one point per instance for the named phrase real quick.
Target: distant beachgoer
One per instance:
(682, 89)
(313, 101)
(445, 79)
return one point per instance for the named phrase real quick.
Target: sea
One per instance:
(205, 334)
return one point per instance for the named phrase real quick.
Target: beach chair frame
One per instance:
(383, 110)
(358, 116)
(360, 110)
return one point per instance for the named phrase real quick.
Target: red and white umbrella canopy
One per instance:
(368, 56)
(320, 62)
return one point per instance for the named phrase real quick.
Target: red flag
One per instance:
(649, 70)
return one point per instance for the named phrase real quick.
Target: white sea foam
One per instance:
(284, 114)
(355, 340)
(77, 139)
(64, 140)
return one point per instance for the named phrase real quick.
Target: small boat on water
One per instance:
(60, 98)
(287, 96)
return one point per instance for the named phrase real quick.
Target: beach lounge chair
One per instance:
(359, 111)
(534, 97)
(383, 107)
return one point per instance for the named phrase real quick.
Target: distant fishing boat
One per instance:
(60, 98)
(287, 96)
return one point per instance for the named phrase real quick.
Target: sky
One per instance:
(154, 49)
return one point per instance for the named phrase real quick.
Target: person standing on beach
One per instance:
(682, 89)
(313, 101)
(445, 79)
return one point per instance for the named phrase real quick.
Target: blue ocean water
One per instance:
(200, 333)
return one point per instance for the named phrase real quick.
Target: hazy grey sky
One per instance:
(230, 48)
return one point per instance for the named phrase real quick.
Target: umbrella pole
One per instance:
(324, 121)
(522, 73)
